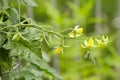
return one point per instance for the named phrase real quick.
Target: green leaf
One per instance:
(43, 66)
(53, 40)
(8, 44)
(28, 72)
(23, 48)
(32, 34)
(29, 2)
(31, 72)
(13, 15)
(2, 39)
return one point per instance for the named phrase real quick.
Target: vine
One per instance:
(25, 40)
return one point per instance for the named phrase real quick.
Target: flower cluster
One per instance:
(91, 42)
(103, 40)
(88, 42)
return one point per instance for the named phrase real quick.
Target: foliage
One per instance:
(21, 47)
(23, 44)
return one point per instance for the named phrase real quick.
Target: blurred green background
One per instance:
(97, 17)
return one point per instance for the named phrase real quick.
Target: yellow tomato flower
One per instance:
(103, 41)
(59, 49)
(76, 32)
(89, 43)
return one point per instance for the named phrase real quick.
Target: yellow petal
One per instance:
(76, 33)
(76, 27)
(104, 40)
(90, 42)
(85, 43)
(79, 30)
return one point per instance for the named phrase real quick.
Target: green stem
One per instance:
(66, 30)
(24, 21)
(34, 26)
(7, 27)
(38, 27)
(19, 10)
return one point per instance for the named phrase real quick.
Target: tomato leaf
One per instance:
(53, 40)
(2, 39)
(23, 48)
(31, 72)
(13, 15)
(43, 66)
